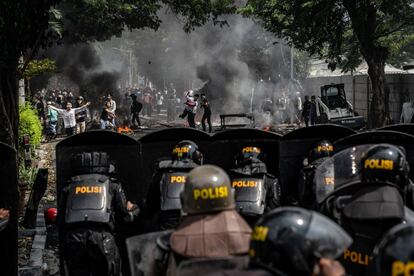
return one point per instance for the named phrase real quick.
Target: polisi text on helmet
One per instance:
(379, 164)
(251, 150)
(324, 148)
(211, 193)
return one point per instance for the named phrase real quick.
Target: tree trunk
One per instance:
(9, 107)
(377, 112)
(9, 121)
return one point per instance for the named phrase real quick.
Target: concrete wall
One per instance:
(358, 91)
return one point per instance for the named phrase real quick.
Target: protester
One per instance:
(81, 116)
(107, 117)
(69, 116)
(52, 119)
(312, 113)
(192, 112)
(147, 99)
(160, 101)
(112, 108)
(190, 104)
(136, 108)
(407, 112)
(307, 105)
(207, 113)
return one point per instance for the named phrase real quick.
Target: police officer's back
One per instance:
(90, 207)
(306, 189)
(256, 191)
(369, 207)
(292, 241)
(211, 228)
(164, 206)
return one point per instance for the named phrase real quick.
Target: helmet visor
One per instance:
(339, 170)
(328, 239)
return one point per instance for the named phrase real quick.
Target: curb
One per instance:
(36, 253)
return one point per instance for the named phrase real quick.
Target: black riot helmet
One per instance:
(207, 189)
(90, 162)
(291, 240)
(321, 149)
(385, 163)
(187, 150)
(249, 152)
(394, 255)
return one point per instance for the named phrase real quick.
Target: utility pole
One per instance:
(292, 67)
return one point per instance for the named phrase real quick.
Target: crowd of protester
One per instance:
(63, 112)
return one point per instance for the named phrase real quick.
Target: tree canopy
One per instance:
(343, 32)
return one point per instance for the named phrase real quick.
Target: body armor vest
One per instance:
(89, 199)
(172, 182)
(367, 216)
(250, 194)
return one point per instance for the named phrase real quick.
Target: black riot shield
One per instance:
(225, 146)
(250, 195)
(148, 253)
(381, 137)
(158, 145)
(8, 200)
(404, 128)
(123, 151)
(204, 266)
(294, 148)
(124, 154)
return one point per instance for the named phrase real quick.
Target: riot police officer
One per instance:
(210, 228)
(292, 241)
(89, 209)
(397, 175)
(368, 207)
(168, 181)
(394, 255)
(256, 191)
(306, 190)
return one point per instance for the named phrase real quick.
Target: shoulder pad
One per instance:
(164, 164)
(91, 175)
(169, 164)
(163, 241)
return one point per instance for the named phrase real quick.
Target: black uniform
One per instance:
(306, 185)
(91, 206)
(136, 108)
(207, 114)
(256, 191)
(370, 205)
(307, 105)
(163, 198)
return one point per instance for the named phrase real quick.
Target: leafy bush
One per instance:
(27, 175)
(29, 125)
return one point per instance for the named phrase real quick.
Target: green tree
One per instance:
(27, 25)
(342, 32)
